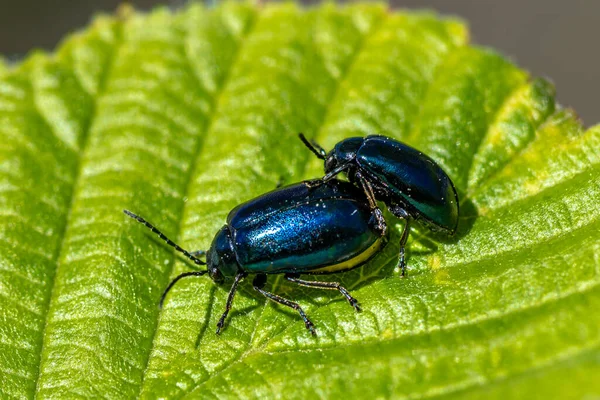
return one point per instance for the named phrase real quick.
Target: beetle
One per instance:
(306, 228)
(410, 183)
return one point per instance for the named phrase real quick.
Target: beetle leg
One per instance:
(325, 285)
(334, 172)
(232, 291)
(328, 177)
(403, 239)
(368, 189)
(260, 281)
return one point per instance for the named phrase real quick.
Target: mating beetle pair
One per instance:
(327, 226)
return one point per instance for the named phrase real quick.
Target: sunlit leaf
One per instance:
(181, 115)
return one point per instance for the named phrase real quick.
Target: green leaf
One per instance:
(182, 115)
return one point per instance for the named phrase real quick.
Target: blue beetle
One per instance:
(410, 183)
(306, 228)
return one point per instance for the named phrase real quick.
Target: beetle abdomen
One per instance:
(326, 229)
(412, 179)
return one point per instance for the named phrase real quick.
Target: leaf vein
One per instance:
(68, 217)
(523, 146)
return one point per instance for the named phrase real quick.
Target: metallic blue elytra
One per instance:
(307, 228)
(410, 183)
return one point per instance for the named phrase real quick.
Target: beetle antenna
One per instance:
(166, 239)
(174, 281)
(313, 146)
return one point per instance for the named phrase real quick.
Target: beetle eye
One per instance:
(216, 275)
(330, 163)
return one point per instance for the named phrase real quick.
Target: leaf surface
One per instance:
(180, 116)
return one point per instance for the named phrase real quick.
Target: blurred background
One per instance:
(555, 39)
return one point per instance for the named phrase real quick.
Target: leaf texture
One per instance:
(182, 115)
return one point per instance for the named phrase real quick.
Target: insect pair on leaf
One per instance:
(326, 225)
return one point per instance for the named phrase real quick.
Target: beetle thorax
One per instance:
(343, 153)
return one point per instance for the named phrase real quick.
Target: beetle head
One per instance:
(220, 259)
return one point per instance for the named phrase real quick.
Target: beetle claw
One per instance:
(382, 228)
(311, 327)
(378, 221)
(354, 303)
(220, 325)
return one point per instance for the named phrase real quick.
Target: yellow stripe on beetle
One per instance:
(352, 262)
